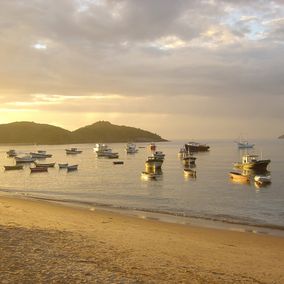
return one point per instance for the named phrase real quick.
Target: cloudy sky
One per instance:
(182, 68)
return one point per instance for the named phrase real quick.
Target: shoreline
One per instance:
(164, 216)
(49, 242)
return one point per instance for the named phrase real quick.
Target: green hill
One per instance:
(102, 131)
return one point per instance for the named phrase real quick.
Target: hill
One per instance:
(102, 131)
(33, 133)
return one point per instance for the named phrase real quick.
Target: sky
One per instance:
(183, 69)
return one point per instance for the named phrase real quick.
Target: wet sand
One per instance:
(42, 242)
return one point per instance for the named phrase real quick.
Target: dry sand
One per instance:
(41, 242)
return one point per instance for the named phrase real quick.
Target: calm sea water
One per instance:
(212, 195)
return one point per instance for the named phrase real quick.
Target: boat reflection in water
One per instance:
(151, 174)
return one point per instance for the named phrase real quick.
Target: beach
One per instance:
(44, 242)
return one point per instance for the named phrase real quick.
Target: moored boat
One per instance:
(11, 153)
(63, 166)
(25, 159)
(72, 168)
(152, 146)
(15, 167)
(262, 180)
(196, 147)
(118, 162)
(131, 148)
(47, 165)
(154, 163)
(239, 177)
(244, 144)
(250, 161)
(39, 169)
(158, 155)
(40, 154)
(73, 151)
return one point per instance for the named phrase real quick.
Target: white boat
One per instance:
(73, 151)
(260, 179)
(244, 144)
(72, 168)
(131, 148)
(100, 147)
(102, 150)
(25, 159)
(11, 153)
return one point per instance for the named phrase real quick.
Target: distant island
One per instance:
(281, 137)
(100, 132)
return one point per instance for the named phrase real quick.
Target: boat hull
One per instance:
(257, 165)
(13, 168)
(239, 177)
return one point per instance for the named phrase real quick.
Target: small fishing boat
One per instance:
(239, 177)
(158, 155)
(15, 167)
(39, 169)
(73, 151)
(25, 159)
(189, 172)
(152, 146)
(191, 147)
(131, 148)
(11, 153)
(47, 165)
(63, 166)
(112, 156)
(72, 168)
(244, 144)
(262, 180)
(118, 162)
(182, 152)
(189, 160)
(250, 162)
(40, 154)
(147, 175)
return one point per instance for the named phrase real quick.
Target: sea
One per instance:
(212, 198)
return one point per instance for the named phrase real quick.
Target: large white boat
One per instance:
(131, 148)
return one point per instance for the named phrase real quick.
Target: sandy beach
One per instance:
(42, 242)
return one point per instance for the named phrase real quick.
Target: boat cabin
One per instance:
(249, 159)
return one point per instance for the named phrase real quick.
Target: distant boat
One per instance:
(40, 154)
(262, 180)
(48, 165)
(11, 153)
(182, 152)
(118, 162)
(73, 151)
(72, 168)
(250, 161)
(102, 150)
(15, 167)
(152, 146)
(244, 144)
(25, 159)
(158, 155)
(189, 160)
(189, 172)
(196, 147)
(39, 169)
(239, 177)
(63, 166)
(131, 148)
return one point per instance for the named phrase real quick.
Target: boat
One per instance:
(147, 175)
(40, 154)
(189, 172)
(189, 160)
(158, 155)
(244, 144)
(72, 168)
(11, 153)
(102, 150)
(250, 161)
(15, 167)
(239, 177)
(73, 151)
(191, 147)
(182, 152)
(262, 180)
(39, 169)
(131, 148)
(25, 159)
(118, 162)
(47, 165)
(63, 166)
(112, 155)
(154, 163)
(152, 146)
